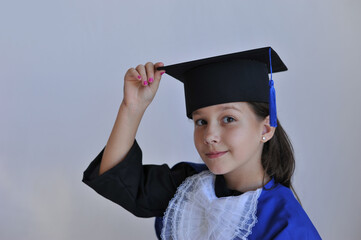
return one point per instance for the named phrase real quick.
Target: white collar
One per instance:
(195, 212)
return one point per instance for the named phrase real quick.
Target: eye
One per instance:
(200, 122)
(228, 119)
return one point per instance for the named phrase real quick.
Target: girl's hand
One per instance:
(141, 84)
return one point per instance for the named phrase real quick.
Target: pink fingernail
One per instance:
(162, 73)
(145, 83)
(139, 77)
(150, 80)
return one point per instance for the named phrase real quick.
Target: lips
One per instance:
(215, 154)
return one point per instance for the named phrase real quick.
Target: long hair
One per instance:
(277, 155)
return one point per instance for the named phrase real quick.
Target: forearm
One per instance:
(140, 87)
(122, 136)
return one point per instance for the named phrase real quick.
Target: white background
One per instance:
(61, 76)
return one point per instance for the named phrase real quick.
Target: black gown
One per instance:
(144, 190)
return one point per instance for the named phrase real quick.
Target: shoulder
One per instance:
(280, 214)
(281, 200)
(279, 204)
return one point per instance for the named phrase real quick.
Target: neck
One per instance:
(247, 178)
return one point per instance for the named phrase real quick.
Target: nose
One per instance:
(211, 135)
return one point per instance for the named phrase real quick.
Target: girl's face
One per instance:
(228, 137)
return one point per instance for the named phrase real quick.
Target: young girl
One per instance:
(244, 189)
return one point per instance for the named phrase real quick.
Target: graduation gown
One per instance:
(147, 190)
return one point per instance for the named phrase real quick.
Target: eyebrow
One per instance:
(197, 112)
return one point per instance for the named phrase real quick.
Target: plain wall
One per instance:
(61, 83)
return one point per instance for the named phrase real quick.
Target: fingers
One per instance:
(150, 72)
(143, 74)
(132, 74)
(158, 73)
(146, 74)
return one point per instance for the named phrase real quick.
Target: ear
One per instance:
(267, 130)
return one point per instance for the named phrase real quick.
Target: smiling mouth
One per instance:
(215, 154)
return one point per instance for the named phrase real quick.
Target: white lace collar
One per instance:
(195, 212)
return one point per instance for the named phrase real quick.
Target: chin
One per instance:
(216, 168)
(217, 172)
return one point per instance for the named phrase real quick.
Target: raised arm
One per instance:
(117, 173)
(140, 87)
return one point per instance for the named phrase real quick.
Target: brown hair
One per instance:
(277, 156)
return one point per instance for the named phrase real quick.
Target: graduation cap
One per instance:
(235, 77)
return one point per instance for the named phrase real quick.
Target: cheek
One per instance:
(197, 139)
(234, 134)
(240, 138)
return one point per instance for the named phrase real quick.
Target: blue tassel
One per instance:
(272, 97)
(272, 105)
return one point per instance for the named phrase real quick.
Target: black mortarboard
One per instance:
(235, 77)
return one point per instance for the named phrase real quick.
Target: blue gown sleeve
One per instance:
(143, 190)
(281, 217)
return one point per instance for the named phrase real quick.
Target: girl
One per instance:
(244, 189)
